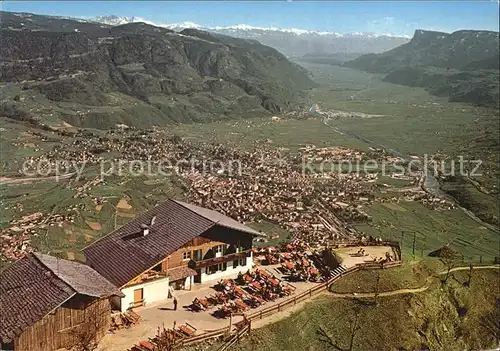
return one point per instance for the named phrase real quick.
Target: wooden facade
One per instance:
(201, 249)
(79, 317)
(205, 246)
(196, 250)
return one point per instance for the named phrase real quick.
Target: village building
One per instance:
(48, 303)
(170, 247)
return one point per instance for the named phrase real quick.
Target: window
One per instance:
(197, 255)
(7, 346)
(219, 249)
(220, 267)
(186, 255)
(239, 262)
(239, 248)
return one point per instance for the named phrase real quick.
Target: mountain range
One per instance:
(95, 75)
(463, 65)
(291, 42)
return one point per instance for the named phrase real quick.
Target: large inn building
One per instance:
(170, 247)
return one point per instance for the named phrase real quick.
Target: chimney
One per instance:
(145, 229)
(152, 221)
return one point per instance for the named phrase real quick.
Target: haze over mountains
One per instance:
(291, 42)
(95, 75)
(462, 65)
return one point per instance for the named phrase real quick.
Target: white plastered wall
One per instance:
(230, 272)
(153, 291)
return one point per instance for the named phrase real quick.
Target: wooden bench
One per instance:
(187, 329)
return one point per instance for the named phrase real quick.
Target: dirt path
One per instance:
(467, 267)
(410, 291)
(385, 293)
(276, 317)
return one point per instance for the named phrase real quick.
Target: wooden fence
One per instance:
(315, 290)
(214, 334)
(236, 337)
(238, 334)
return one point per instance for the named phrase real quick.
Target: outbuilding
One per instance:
(47, 303)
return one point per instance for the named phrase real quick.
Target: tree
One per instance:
(176, 139)
(448, 257)
(469, 276)
(354, 327)
(165, 339)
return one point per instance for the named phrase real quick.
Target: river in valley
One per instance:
(430, 184)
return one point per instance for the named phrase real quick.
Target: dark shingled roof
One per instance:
(37, 284)
(81, 278)
(180, 273)
(124, 253)
(219, 218)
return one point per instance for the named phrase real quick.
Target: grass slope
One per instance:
(442, 318)
(410, 275)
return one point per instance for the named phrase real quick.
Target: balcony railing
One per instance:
(217, 260)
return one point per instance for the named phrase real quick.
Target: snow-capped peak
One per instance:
(118, 21)
(115, 20)
(297, 31)
(181, 25)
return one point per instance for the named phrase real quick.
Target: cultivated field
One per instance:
(415, 122)
(418, 123)
(432, 229)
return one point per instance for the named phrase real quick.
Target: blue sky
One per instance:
(394, 17)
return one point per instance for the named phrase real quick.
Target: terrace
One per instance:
(161, 313)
